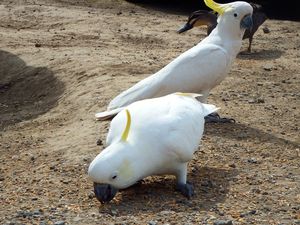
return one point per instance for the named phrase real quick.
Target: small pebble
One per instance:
(268, 67)
(60, 223)
(252, 212)
(114, 212)
(37, 212)
(266, 30)
(223, 222)
(37, 45)
(152, 222)
(252, 160)
(99, 142)
(232, 165)
(91, 195)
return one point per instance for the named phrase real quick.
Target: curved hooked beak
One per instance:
(247, 22)
(184, 28)
(104, 192)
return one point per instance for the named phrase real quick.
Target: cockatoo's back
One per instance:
(189, 72)
(176, 120)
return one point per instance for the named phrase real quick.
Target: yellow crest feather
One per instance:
(127, 128)
(215, 6)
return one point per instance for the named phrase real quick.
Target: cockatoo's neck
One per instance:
(229, 40)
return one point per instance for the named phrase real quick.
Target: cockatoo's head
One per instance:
(234, 16)
(113, 168)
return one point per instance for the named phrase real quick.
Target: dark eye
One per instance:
(114, 177)
(235, 15)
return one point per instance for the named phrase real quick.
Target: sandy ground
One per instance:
(60, 63)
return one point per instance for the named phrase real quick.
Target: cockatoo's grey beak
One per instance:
(185, 27)
(104, 192)
(247, 22)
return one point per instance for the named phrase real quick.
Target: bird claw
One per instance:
(215, 118)
(186, 190)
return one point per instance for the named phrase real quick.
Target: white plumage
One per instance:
(199, 69)
(160, 139)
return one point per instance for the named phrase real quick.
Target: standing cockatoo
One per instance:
(150, 137)
(199, 69)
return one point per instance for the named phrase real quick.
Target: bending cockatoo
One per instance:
(150, 137)
(199, 69)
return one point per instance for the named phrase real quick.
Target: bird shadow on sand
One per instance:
(158, 194)
(261, 54)
(243, 132)
(25, 91)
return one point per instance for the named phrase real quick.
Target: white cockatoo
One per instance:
(199, 69)
(150, 137)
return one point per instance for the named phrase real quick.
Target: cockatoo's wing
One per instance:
(185, 131)
(198, 69)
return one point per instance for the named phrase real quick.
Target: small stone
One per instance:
(252, 160)
(252, 212)
(37, 45)
(152, 222)
(99, 142)
(52, 167)
(266, 30)
(232, 165)
(60, 222)
(24, 214)
(37, 212)
(260, 100)
(223, 222)
(91, 195)
(65, 181)
(268, 67)
(114, 212)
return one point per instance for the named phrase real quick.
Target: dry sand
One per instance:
(60, 63)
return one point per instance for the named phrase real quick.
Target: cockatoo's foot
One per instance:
(186, 189)
(215, 118)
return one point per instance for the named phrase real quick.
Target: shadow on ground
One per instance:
(158, 194)
(244, 132)
(25, 92)
(261, 54)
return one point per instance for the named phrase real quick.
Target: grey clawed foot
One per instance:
(215, 118)
(186, 189)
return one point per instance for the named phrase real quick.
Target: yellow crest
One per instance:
(219, 8)
(127, 128)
